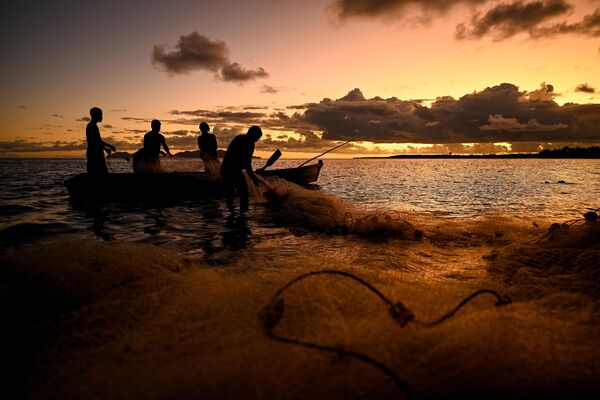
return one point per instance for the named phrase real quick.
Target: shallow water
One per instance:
(34, 201)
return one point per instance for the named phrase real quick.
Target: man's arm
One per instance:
(213, 144)
(164, 144)
(248, 167)
(107, 145)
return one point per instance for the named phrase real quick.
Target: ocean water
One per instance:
(162, 301)
(35, 202)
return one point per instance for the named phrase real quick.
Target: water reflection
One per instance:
(158, 221)
(237, 233)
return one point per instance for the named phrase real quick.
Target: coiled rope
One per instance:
(273, 312)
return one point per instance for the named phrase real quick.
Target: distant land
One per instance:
(565, 152)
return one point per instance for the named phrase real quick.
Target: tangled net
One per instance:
(565, 258)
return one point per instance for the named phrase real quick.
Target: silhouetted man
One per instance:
(152, 142)
(207, 143)
(95, 145)
(237, 159)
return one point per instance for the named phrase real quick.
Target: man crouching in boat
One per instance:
(148, 158)
(237, 159)
(95, 145)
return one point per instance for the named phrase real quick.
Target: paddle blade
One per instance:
(274, 157)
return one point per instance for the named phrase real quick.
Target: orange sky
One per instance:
(69, 57)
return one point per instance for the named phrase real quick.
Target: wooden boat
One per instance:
(304, 175)
(168, 186)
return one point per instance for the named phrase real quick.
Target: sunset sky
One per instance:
(397, 76)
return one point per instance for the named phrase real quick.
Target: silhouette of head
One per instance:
(204, 128)
(155, 124)
(254, 132)
(96, 114)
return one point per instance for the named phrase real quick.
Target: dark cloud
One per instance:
(500, 113)
(181, 132)
(22, 107)
(136, 131)
(588, 26)
(234, 72)
(299, 106)
(24, 146)
(107, 126)
(83, 119)
(268, 89)
(509, 19)
(254, 108)
(585, 88)
(137, 119)
(194, 51)
(56, 116)
(345, 9)
(183, 142)
(244, 117)
(198, 52)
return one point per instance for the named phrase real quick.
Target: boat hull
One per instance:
(168, 186)
(304, 175)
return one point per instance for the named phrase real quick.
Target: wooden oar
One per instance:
(274, 157)
(338, 146)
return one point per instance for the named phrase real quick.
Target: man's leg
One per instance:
(243, 192)
(229, 186)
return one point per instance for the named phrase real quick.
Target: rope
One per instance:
(273, 312)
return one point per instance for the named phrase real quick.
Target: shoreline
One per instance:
(483, 156)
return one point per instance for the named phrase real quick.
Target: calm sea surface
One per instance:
(34, 201)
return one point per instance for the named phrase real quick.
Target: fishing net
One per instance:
(565, 258)
(305, 210)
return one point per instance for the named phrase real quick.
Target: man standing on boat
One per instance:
(95, 145)
(237, 159)
(207, 143)
(152, 142)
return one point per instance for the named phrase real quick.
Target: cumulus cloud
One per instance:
(501, 113)
(198, 52)
(345, 9)
(83, 119)
(585, 88)
(193, 52)
(544, 93)
(234, 72)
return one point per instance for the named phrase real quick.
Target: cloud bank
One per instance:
(197, 52)
(481, 121)
(501, 113)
